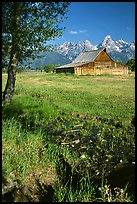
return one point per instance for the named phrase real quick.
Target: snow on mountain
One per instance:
(119, 50)
(109, 44)
(129, 51)
(72, 50)
(132, 46)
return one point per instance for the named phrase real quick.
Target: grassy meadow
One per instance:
(86, 119)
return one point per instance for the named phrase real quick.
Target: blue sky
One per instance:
(94, 20)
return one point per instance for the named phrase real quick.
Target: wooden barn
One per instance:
(93, 62)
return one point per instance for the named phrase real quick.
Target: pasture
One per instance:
(84, 118)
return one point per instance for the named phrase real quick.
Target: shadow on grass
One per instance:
(16, 193)
(122, 175)
(23, 113)
(12, 110)
(46, 192)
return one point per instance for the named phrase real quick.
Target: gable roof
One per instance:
(83, 58)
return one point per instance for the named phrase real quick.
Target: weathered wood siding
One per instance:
(103, 64)
(78, 70)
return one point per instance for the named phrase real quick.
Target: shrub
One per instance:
(49, 68)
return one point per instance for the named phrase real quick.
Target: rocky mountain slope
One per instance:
(119, 50)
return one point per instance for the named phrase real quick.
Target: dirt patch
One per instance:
(37, 187)
(39, 180)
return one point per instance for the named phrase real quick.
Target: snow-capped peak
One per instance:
(72, 50)
(108, 37)
(109, 44)
(87, 42)
(132, 45)
(122, 41)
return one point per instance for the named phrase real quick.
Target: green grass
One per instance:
(49, 108)
(110, 96)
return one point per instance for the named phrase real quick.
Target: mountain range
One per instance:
(119, 50)
(49, 58)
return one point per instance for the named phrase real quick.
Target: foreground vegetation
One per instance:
(69, 138)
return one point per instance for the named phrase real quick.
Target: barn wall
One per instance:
(78, 70)
(115, 70)
(103, 64)
(112, 68)
(118, 68)
(85, 69)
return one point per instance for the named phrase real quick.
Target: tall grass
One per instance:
(43, 114)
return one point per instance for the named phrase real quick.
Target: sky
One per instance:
(94, 20)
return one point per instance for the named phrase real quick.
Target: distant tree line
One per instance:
(47, 68)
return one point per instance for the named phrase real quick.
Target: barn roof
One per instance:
(83, 58)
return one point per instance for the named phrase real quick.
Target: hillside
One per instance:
(119, 50)
(48, 58)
